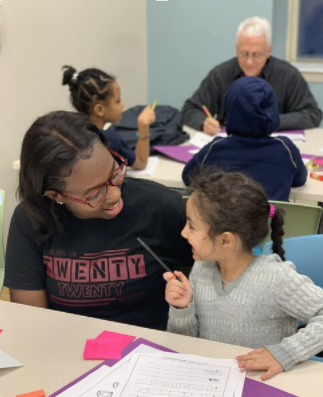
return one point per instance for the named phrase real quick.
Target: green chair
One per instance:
(299, 219)
(2, 256)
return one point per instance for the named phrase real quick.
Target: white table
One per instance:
(169, 172)
(51, 344)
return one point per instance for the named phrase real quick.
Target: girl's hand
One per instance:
(147, 116)
(178, 293)
(262, 360)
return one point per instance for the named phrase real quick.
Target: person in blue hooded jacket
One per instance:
(252, 115)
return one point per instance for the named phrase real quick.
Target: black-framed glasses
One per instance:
(99, 194)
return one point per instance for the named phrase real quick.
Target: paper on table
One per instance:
(297, 136)
(293, 135)
(321, 150)
(148, 171)
(7, 361)
(201, 139)
(105, 380)
(165, 373)
(252, 388)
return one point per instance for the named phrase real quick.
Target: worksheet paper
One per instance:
(148, 171)
(180, 375)
(104, 382)
(200, 139)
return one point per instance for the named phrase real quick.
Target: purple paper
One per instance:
(307, 156)
(109, 362)
(252, 388)
(179, 153)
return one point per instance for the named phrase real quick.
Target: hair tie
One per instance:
(74, 77)
(272, 211)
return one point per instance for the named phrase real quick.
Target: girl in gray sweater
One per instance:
(233, 296)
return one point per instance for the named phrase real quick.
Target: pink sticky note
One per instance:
(116, 337)
(101, 349)
(1, 330)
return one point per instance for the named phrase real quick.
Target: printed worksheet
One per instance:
(104, 382)
(148, 171)
(179, 375)
(201, 139)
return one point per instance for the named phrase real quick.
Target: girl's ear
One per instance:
(98, 110)
(55, 196)
(227, 239)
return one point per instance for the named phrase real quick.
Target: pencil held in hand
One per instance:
(207, 112)
(154, 105)
(152, 253)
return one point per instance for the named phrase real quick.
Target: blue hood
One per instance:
(251, 108)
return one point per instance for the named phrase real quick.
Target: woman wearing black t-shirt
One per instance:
(72, 242)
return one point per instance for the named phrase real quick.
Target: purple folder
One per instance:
(307, 156)
(252, 388)
(179, 153)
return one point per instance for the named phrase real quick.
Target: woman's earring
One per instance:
(60, 202)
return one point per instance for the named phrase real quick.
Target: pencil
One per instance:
(207, 112)
(152, 253)
(154, 105)
(316, 176)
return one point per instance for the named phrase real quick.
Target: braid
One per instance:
(87, 87)
(277, 232)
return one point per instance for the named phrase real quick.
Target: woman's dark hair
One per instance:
(87, 87)
(231, 202)
(51, 147)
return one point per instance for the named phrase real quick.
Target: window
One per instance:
(306, 30)
(305, 38)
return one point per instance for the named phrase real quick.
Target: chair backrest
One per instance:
(2, 256)
(299, 219)
(306, 252)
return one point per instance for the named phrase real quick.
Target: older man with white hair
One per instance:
(297, 106)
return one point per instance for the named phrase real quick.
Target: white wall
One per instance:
(38, 38)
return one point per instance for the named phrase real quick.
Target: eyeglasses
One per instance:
(255, 56)
(99, 194)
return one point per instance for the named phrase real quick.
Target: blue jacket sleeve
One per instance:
(195, 162)
(300, 175)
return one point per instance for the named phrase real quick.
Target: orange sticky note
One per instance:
(101, 349)
(37, 393)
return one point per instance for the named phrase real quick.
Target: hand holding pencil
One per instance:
(210, 125)
(179, 292)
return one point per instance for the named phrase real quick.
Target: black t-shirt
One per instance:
(97, 268)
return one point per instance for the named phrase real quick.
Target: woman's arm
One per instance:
(36, 298)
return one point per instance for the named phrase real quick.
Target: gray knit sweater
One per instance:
(259, 309)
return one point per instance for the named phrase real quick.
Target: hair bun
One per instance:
(70, 76)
